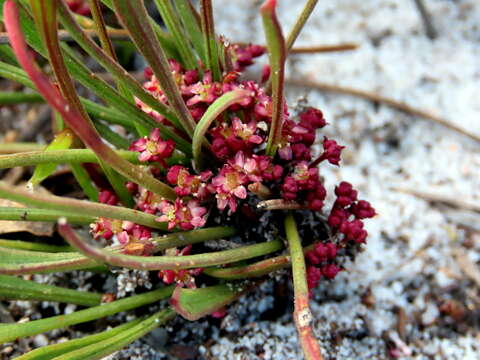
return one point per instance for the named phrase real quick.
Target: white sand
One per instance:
(441, 76)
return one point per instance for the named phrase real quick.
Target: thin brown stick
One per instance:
(323, 48)
(426, 19)
(383, 100)
(278, 204)
(451, 200)
(114, 34)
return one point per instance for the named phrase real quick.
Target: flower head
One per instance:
(186, 216)
(153, 148)
(229, 185)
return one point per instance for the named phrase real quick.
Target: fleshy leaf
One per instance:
(213, 111)
(276, 55)
(12, 287)
(173, 24)
(51, 351)
(61, 141)
(18, 262)
(134, 17)
(108, 346)
(210, 39)
(34, 246)
(70, 205)
(302, 313)
(193, 304)
(167, 262)
(9, 332)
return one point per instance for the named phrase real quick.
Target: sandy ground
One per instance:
(413, 293)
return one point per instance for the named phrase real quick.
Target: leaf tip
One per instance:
(268, 6)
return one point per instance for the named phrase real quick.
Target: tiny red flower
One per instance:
(153, 148)
(186, 216)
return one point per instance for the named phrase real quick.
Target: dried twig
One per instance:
(454, 201)
(323, 48)
(426, 19)
(467, 266)
(383, 100)
(465, 218)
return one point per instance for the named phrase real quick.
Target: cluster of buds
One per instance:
(240, 171)
(184, 277)
(134, 238)
(347, 214)
(321, 263)
(243, 55)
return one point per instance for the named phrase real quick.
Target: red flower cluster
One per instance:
(182, 277)
(240, 172)
(347, 213)
(243, 55)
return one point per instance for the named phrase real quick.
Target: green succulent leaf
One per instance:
(174, 25)
(15, 288)
(13, 98)
(18, 262)
(108, 346)
(9, 332)
(167, 262)
(277, 55)
(51, 351)
(193, 304)
(33, 246)
(61, 141)
(214, 110)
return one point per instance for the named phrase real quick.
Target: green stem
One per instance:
(192, 237)
(10, 332)
(26, 245)
(101, 349)
(12, 148)
(165, 38)
(32, 214)
(51, 351)
(210, 39)
(258, 269)
(78, 206)
(15, 288)
(31, 158)
(20, 262)
(111, 65)
(298, 26)
(192, 26)
(105, 41)
(213, 111)
(302, 313)
(101, 28)
(134, 17)
(174, 26)
(13, 98)
(85, 182)
(277, 55)
(167, 262)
